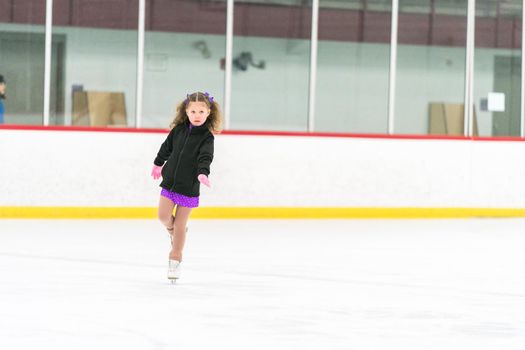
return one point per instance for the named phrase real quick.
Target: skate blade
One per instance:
(173, 280)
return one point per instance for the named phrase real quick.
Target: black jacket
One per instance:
(188, 153)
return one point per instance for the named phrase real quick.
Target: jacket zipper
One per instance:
(178, 159)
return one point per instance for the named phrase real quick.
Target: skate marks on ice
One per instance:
(259, 285)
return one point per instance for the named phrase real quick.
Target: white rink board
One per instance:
(59, 168)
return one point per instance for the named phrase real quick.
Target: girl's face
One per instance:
(2, 88)
(198, 112)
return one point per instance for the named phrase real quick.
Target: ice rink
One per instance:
(323, 284)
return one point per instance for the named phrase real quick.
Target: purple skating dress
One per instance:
(180, 199)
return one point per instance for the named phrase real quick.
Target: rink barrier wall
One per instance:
(259, 213)
(80, 172)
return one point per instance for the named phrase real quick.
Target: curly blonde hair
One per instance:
(214, 120)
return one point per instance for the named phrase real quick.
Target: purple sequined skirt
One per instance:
(179, 199)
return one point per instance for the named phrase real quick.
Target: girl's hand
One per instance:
(155, 172)
(204, 180)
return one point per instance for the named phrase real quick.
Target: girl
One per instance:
(2, 96)
(188, 153)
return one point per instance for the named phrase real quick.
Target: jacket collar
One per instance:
(197, 129)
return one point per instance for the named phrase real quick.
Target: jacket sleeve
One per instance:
(205, 156)
(165, 150)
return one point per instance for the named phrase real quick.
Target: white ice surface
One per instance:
(391, 284)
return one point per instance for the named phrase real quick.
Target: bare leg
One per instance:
(166, 213)
(179, 234)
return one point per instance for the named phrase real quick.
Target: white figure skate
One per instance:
(174, 271)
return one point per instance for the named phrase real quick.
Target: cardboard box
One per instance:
(95, 108)
(448, 119)
(80, 113)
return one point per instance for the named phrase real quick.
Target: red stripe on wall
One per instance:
(262, 133)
